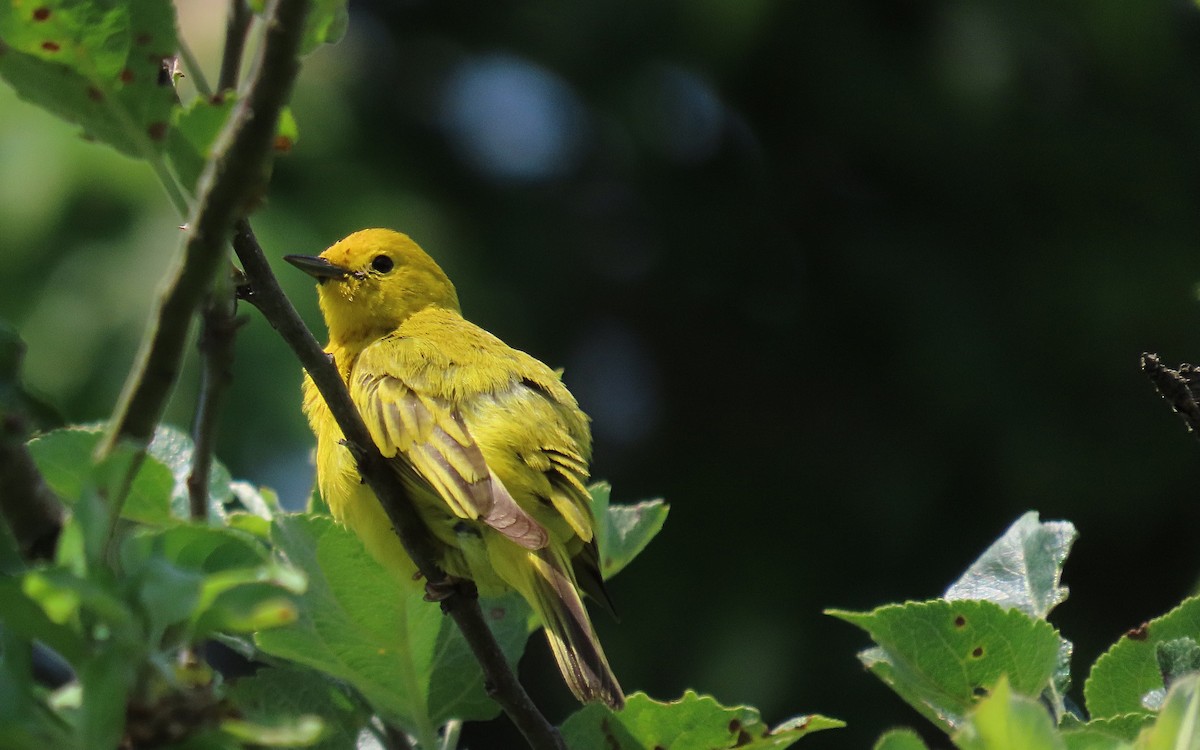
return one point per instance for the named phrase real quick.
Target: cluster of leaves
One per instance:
(983, 664)
(110, 67)
(337, 639)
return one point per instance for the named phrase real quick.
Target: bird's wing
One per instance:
(427, 434)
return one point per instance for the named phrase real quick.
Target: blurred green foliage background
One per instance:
(850, 284)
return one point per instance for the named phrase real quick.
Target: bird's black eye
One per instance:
(382, 263)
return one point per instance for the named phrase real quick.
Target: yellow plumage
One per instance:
(490, 443)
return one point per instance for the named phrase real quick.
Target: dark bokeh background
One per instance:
(851, 284)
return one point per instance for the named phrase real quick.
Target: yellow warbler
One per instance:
(489, 442)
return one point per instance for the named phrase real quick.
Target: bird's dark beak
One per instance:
(317, 267)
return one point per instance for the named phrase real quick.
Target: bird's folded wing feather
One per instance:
(427, 433)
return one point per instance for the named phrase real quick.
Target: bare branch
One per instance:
(218, 329)
(236, 25)
(264, 293)
(232, 183)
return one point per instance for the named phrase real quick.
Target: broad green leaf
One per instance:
(210, 549)
(694, 722)
(1116, 733)
(626, 529)
(327, 22)
(168, 594)
(901, 739)
(1129, 670)
(158, 495)
(1007, 721)
(360, 624)
(190, 573)
(942, 656)
(95, 64)
(1022, 568)
(65, 459)
(174, 448)
(1178, 725)
(107, 679)
(273, 693)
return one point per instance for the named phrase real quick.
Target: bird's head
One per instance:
(372, 281)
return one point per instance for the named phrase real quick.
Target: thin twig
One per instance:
(232, 183)
(264, 293)
(218, 329)
(218, 322)
(236, 25)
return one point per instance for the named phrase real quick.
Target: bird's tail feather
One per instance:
(569, 631)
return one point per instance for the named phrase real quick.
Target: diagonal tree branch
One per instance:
(218, 321)
(263, 292)
(232, 183)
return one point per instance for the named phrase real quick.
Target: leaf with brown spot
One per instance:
(930, 660)
(76, 61)
(1128, 671)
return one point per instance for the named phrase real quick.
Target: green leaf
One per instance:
(326, 24)
(107, 679)
(194, 130)
(1129, 670)
(1116, 733)
(901, 739)
(275, 692)
(1006, 721)
(941, 656)
(65, 459)
(62, 595)
(692, 722)
(158, 495)
(360, 624)
(95, 64)
(210, 549)
(168, 594)
(174, 448)
(24, 616)
(1178, 725)
(1177, 658)
(1022, 568)
(626, 529)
